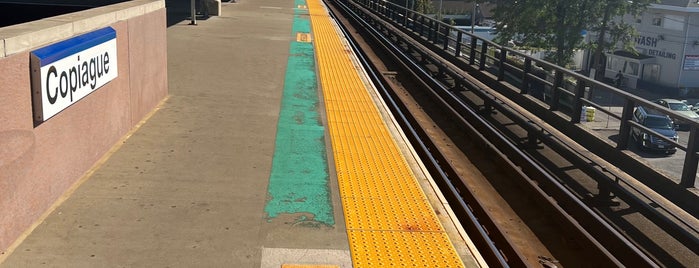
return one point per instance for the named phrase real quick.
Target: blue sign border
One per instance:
(60, 50)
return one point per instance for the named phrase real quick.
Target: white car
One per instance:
(681, 108)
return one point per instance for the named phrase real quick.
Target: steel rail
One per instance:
(679, 228)
(581, 206)
(493, 255)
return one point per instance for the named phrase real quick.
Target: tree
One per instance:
(557, 24)
(612, 31)
(424, 6)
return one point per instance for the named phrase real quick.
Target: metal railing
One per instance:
(561, 89)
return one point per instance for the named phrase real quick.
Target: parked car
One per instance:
(694, 107)
(662, 124)
(679, 107)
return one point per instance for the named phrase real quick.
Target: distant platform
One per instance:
(17, 12)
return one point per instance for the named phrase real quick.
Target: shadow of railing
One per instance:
(561, 91)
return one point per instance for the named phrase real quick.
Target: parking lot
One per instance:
(671, 165)
(608, 126)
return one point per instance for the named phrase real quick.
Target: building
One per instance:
(668, 46)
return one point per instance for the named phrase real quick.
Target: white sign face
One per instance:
(68, 71)
(691, 62)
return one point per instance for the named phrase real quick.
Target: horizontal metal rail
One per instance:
(493, 255)
(558, 80)
(524, 161)
(677, 231)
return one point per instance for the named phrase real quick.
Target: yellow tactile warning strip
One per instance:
(389, 220)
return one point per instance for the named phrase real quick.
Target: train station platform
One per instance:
(272, 150)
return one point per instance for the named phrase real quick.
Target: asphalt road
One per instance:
(671, 165)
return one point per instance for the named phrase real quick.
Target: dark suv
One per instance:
(658, 123)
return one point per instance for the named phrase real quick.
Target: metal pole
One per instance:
(439, 14)
(473, 17)
(193, 10)
(405, 21)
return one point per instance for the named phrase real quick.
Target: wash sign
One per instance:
(65, 72)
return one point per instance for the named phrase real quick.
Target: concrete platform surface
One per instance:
(188, 188)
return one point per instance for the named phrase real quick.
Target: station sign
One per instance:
(67, 71)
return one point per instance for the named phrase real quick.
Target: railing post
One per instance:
(430, 30)
(689, 172)
(503, 65)
(525, 76)
(556, 98)
(474, 44)
(411, 22)
(625, 128)
(447, 31)
(436, 28)
(484, 53)
(405, 17)
(417, 25)
(577, 107)
(390, 12)
(422, 26)
(457, 47)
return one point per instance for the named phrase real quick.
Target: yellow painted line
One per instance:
(389, 219)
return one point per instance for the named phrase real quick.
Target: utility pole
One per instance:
(597, 63)
(406, 13)
(473, 16)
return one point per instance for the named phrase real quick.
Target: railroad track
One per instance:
(526, 194)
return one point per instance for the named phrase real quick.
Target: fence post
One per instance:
(446, 38)
(525, 76)
(577, 107)
(690, 160)
(625, 128)
(474, 44)
(436, 28)
(556, 91)
(430, 30)
(457, 47)
(503, 65)
(484, 53)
